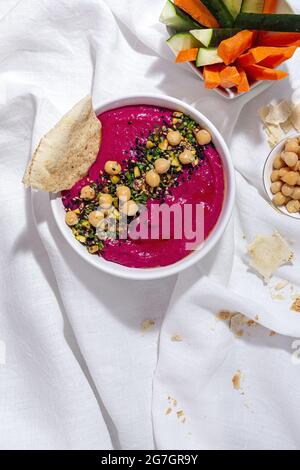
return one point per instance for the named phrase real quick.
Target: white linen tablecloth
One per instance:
(77, 371)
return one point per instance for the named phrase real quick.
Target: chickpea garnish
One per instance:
(203, 137)
(174, 138)
(278, 163)
(112, 168)
(279, 199)
(287, 190)
(93, 249)
(71, 218)
(293, 206)
(292, 145)
(186, 157)
(88, 193)
(162, 165)
(95, 218)
(291, 178)
(130, 208)
(152, 178)
(124, 193)
(276, 187)
(275, 176)
(290, 158)
(105, 201)
(296, 194)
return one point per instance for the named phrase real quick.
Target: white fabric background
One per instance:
(77, 372)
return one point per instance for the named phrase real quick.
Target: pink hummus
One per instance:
(120, 129)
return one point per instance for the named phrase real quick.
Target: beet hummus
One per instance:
(150, 156)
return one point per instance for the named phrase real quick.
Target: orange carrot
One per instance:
(187, 55)
(198, 11)
(211, 75)
(230, 49)
(278, 39)
(270, 6)
(243, 86)
(230, 77)
(261, 53)
(276, 59)
(258, 72)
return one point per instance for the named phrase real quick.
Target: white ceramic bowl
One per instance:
(268, 169)
(215, 235)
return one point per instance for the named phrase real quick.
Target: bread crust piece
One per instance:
(269, 252)
(66, 153)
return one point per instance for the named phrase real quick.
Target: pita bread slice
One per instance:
(66, 152)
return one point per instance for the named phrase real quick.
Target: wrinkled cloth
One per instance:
(77, 371)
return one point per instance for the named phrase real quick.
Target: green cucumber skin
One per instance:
(233, 6)
(220, 34)
(180, 21)
(269, 22)
(252, 6)
(220, 11)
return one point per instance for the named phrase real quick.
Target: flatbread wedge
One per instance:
(66, 152)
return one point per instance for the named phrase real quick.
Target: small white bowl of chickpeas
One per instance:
(282, 176)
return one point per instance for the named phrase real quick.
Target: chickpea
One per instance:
(124, 193)
(275, 176)
(293, 207)
(297, 166)
(203, 137)
(296, 193)
(162, 165)
(112, 168)
(279, 199)
(298, 181)
(88, 193)
(291, 178)
(276, 187)
(95, 218)
(105, 201)
(290, 158)
(186, 157)
(292, 145)
(130, 208)
(278, 163)
(174, 138)
(283, 171)
(152, 178)
(287, 190)
(71, 218)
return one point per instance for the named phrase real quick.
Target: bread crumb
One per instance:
(272, 333)
(236, 380)
(224, 315)
(281, 285)
(168, 411)
(296, 305)
(146, 325)
(177, 338)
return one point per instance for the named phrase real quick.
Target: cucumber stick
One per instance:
(252, 6)
(220, 12)
(207, 57)
(213, 37)
(175, 18)
(181, 41)
(269, 22)
(233, 6)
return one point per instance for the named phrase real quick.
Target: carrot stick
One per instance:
(270, 6)
(198, 11)
(261, 53)
(187, 55)
(258, 72)
(230, 49)
(211, 75)
(230, 77)
(278, 39)
(276, 59)
(243, 86)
